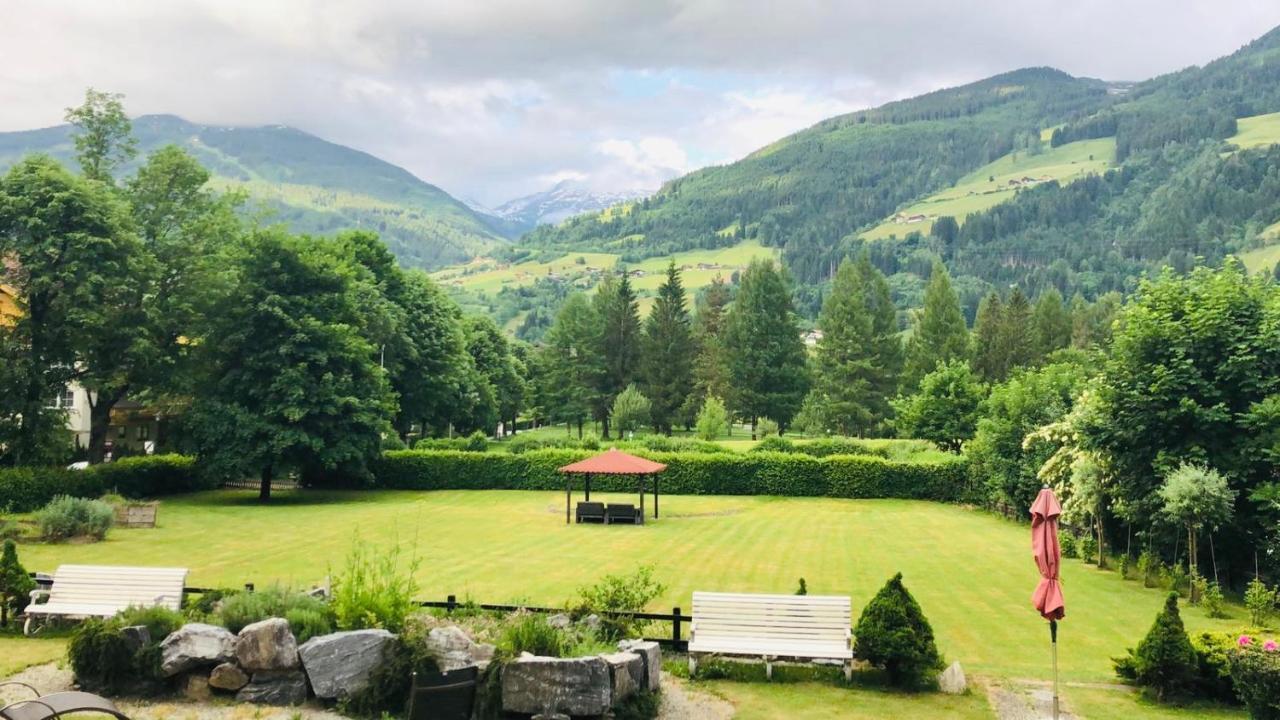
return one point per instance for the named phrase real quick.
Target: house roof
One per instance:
(614, 462)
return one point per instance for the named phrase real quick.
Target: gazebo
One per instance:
(611, 462)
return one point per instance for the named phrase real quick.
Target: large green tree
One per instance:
(289, 382)
(104, 136)
(65, 249)
(491, 353)
(939, 335)
(765, 355)
(571, 362)
(945, 409)
(859, 357)
(1051, 324)
(710, 365)
(615, 302)
(667, 352)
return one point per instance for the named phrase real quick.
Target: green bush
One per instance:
(245, 608)
(159, 621)
(1215, 605)
(1149, 568)
(1255, 673)
(825, 447)
(15, 584)
(643, 705)
(687, 473)
(1165, 662)
(1089, 549)
(389, 683)
(1213, 665)
(66, 517)
(375, 590)
(306, 623)
(765, 428)
(26, 489)
(1067, 543)
(894, 635)
(1261, 601)
(629, 593)
(774, 443)
(531, 633)
(101, 657)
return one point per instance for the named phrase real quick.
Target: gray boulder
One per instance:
(626, 672)
(267, 645)
(452, 649)
(137, 636)
(228, 676)
(196, 688)
(196, 645)
(952, 680)
(340, 664)
(275, 687)
(573, 686)
(651, 653)
(560, 621)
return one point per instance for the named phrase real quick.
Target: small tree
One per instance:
(630, 410)
(1165, 661)
(945, 410)
(713, 419)
(1197, 496)
(893, 634)
(15, 583)
(1261, 601)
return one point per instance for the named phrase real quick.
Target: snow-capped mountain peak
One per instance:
(566, 199)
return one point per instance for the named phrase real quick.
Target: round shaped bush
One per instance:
(67, 517)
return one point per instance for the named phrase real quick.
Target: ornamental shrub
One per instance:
(239, 609)
(67, 517)
(620, 594)
(1214, 604)
(894, 635)
(26, 489)
(15, 584)
(1067, 543)
(306, 623)
(1165, 662)
(1089, 549)
(1149, 568)
(766, 427)
(1261, 601)
(531, 633)
(159, 621)
(1213, 665)
(1255, 672)
(375, 589)
(774, 443)
(101, 657)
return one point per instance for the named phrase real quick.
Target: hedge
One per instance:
(762, 473)
(26, 489)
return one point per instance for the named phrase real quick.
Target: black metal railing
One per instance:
(675, 617)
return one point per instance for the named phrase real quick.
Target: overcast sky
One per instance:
(491, 99)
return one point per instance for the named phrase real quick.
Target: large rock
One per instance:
(196, 645)
(574, 686)
(626, 670)
(196, 688)
(952, 680)
(267, 645)
(136, 636)
(228, 676)
(651, 653)
(340, 664)
(275, 687)
(452, 649)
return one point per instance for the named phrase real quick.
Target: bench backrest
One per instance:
(591, 508)
(118, 585)
(787, 618)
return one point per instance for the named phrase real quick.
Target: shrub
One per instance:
(642, 705)
(1255, 673)
(1165, 662)
(620, 594)
(67, 517)
(766, 427)
(1213, 665)
(147, 476)
(1124, 566)
(477, 442)
(893, 634)
(803, 589)
(631, 410)
(374, 590)
(1149, 568)
(713, 419)
(590, 441)
(531, 633)
(1089, 549)
(245, 608)
(306, 623)
(1261, 602)
(389, 683)
(1175, 576)
(1067, 543)
(15, 584)
(101, 657)
(773, 443)
(1215, 605)
(159, 621)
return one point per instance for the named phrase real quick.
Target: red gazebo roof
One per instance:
(614, 462)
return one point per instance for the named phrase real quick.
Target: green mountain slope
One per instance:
(313, 185)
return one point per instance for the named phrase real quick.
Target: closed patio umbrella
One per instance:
(1047, 598)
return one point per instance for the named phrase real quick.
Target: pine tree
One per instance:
(988, 361)
(710, 365)
(765, 354)
(1017, 344)
(893, 634)
(667, 352)
(1165, 660)
(1051, 324)
(859, 356)
(940, 334)
(15, 583)
(620, 342)
(572, 362)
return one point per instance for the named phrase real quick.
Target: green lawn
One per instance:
(971, 572)
(17, 652)
(817, 701)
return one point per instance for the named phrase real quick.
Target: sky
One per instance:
(493, 99)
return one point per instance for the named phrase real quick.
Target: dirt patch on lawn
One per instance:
(680, 701)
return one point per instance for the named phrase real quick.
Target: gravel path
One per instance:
(682, 702)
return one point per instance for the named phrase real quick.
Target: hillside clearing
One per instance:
(1256, 131)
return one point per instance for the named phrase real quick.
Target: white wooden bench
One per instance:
(85, 591)
(800, 627)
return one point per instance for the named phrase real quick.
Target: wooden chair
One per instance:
(443, 696)
(621, 513)
(590, 512)
(56, 705)
(84, 591)
(800, 627)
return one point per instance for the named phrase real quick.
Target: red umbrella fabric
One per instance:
(1044, 545)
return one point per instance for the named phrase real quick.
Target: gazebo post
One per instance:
(568, 485)
(588, 498)
(641, 484)
(655, 496)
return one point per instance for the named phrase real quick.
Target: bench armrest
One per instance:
(22, 684)
(161, 598)
(37, 594)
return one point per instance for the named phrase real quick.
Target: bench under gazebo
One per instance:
(610, 462)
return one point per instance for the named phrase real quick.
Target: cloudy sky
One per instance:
(491, 99)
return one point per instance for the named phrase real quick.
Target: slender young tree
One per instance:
(667, 352)
(104, 136)
(765, 354)
(940, 335)
(572, 362)
(710, 365)
(1051, 325)
(620, 339)
(988, 361)
(1017, 342)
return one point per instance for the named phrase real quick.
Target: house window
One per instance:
(65, 401)
(144, 432)
(121, 432)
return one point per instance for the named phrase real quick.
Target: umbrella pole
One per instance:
(1053, 635)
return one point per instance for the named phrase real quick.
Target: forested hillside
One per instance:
(312, 185)
(1171, 188)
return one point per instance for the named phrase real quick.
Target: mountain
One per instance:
(566, 199)
(312, 185)
(1052, 180)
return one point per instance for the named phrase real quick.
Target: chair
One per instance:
(56, 705)
(621, 513)
(590, 512)
(84, 591)
(443, 696)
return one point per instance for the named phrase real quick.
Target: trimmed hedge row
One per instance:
(757, 473)
(26, 489)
